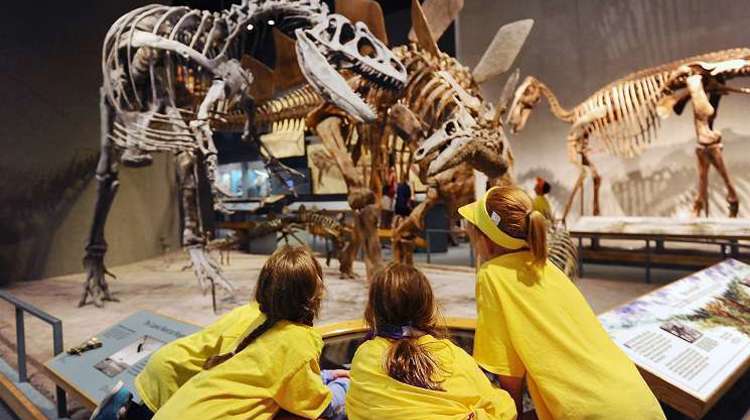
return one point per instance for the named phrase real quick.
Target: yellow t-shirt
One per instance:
(277, 370)
(175, 363)
(542, 206)
(375, 395)
(536, 322)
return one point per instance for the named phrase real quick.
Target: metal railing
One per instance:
(57, 342)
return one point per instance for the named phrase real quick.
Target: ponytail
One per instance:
(537, 237)
(214, 361)
(410, 363)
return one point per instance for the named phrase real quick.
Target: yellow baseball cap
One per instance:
(476, 214)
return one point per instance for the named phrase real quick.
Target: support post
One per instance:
(21, 345)
(648, 261)
(57, 348)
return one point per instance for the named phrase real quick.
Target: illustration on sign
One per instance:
(128, 356)
(693, 333)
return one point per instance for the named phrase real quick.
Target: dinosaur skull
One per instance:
(336, 44)
(466, 139)
(526, 97)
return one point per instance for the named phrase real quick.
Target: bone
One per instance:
(421, 29)
(439, 15)
(503, 50)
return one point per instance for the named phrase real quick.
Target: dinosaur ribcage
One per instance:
(628, 120)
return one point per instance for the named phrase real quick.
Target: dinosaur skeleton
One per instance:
(624, 115)
(432, 93)
(170, 73)
(317, 223)
(464, 141)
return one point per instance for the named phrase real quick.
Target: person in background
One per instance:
(408, 370)
(541, 189)
(533, 323)
(403, 205)
(253, 362)
(386, 208)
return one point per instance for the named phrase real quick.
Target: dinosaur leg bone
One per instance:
(716, 158)
(361, 199)
(586, 161)
(202, 129)
(106, 176)
(193, 238)
(703, 167)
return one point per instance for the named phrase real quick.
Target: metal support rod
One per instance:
(427, 239)
(57, 348)
(21, 345)
(648, 261)
(580, 256)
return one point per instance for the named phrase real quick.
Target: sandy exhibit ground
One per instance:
(160, 284)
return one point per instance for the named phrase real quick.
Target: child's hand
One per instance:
(329, 375)
(340, 373)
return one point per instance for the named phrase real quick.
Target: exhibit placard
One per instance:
(691, 338)
(126, 347)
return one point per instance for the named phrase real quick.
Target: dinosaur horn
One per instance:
(503, 50)
(439, 15)
(422, 29)
(507, 95)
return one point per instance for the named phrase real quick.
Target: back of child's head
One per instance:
(290, 288)
(290, 285)
(400, 302)
(518, 219)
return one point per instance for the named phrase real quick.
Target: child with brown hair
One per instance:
(408, 370)
(533, 323)
(273, 365)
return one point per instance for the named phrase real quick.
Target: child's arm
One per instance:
(514, 387)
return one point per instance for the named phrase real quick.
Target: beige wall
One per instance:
(578, 46)
(51, 72)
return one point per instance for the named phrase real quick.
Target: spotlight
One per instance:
(271, 22)
(250, 26)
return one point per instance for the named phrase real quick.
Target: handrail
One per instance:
(57, 342)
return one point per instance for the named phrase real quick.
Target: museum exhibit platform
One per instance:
(666, 242)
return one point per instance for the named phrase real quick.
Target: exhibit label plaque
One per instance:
(691, 338)
(125, 350)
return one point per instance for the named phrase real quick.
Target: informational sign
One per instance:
(692, 336)
(125, 350)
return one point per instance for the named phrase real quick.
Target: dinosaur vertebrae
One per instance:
(431, 97)
(164, 85)
(625, 110)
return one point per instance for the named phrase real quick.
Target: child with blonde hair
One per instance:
(533, 323)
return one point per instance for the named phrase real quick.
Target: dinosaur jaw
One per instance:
(329, 83)
(336, 44)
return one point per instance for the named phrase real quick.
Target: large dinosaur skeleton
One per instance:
(435, 88)
(624, 115)
(170, 73)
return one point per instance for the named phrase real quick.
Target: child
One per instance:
(218, 374)
(408, 370)
(534, 323)
(542, 188)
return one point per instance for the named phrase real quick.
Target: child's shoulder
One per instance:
(298, 337)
